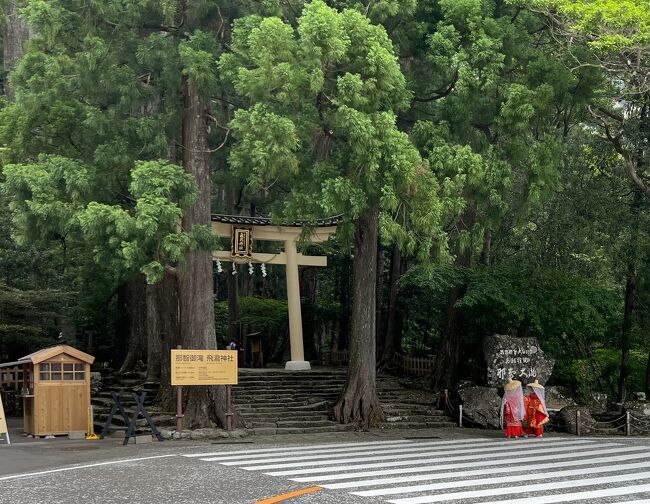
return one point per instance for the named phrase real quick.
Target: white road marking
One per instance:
(529, 489)
(586, 495)
(86, 466)
(290, 454)
(466, 474)
(324, 448)
(422, 459)
(363, 451)
(311, 447)
(530, 476)
(474, 453)
(431, 464)
(462, 471)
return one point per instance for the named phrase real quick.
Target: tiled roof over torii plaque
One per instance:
(245, 220)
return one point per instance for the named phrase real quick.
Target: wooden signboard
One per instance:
(3, 423)
(242, 242)
(204, 367)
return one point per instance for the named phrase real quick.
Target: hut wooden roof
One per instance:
(48, 353)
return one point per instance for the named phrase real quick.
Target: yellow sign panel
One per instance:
(3, 421)
(204, 367)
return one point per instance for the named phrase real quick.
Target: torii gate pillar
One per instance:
(261, 229)
(297, 361)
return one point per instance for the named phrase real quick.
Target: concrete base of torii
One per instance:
(296, 365)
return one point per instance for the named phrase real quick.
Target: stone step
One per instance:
(158, 420)
(282, 393)
(418, 425)
(398, 410)
(283, 411)
(274, 417)
(287, 389)
(416, 418)
(333, 427)
(284, 400)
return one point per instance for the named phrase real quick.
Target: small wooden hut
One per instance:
(56, 389)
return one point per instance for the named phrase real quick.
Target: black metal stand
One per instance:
(130, 422)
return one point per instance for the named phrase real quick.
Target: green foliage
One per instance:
(610, 25)
(324, 99)
(268, 316)
(599, 373)
(30, 319)
(55, 197)
(568, 314)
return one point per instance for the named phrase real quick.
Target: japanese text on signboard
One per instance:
(204, 367)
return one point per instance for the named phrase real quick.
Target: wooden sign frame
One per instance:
(4, 428)
(242, 242)
(204, 367)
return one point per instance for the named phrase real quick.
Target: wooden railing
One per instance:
(11, 378)
(414, 366)
(339, 357)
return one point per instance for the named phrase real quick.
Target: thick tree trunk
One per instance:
(204, 404)
(132, 321)
(344, 301)
(359, 401)
(647, 378)
(154, 342)
(308, 289)
(165, 314)
(445, 373)
(630, 295)
(393, 340)
(14, 37)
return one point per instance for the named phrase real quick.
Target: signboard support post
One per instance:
(229, 407)
(179, 404)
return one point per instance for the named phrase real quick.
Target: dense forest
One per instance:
(488, 161)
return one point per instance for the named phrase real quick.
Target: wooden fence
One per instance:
(413, 366)
(11, 378)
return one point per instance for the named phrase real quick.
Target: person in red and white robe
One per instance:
(512, 408)
(536, 412)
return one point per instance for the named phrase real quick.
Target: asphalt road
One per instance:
(467, 467)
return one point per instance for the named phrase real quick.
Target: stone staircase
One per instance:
(125, 384)
(286, 402)
(407, 408)
(275, 401)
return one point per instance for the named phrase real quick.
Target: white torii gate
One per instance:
(243, 230)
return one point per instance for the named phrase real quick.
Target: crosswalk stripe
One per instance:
(358, 483)
(586, 495)
(529, 476)
(327, 445)
(422, 458)
(431, 463)
(530, 489)
(363, 451)
(475, 452)
(330, 448)
(324, 454)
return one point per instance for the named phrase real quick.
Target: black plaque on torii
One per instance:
(130, 422)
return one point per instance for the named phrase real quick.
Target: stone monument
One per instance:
(521, 358)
